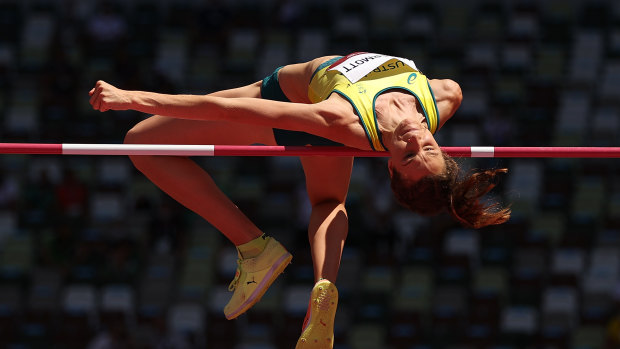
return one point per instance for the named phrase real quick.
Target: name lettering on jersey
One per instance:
(357, 65)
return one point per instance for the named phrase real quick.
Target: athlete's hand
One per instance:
(104, 97)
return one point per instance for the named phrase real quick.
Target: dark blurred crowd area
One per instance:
(92, 255)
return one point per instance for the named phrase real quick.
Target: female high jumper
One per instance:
(362, 100)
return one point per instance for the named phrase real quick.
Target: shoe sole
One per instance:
(319, 332)
(276, 269)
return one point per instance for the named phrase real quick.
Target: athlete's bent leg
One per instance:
(185, 181)
(261, 259)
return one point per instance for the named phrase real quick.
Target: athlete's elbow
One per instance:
(330, 115)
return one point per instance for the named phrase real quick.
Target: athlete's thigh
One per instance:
(165, 130)
(327, 178)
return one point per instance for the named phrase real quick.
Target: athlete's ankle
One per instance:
(253, 248)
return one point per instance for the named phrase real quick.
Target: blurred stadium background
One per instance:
(94, 256)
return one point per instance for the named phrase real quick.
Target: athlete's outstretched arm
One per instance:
(311, 118)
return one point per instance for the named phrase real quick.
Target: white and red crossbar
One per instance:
(260, 150)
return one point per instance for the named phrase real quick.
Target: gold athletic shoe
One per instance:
(318, 330)
(254, 276)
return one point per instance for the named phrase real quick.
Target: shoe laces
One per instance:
(235, 281)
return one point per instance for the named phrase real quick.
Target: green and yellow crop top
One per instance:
(362, 93)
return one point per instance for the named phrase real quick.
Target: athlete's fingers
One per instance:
(97, 96)
(104, 97)
(97, 89)
(97, 104)
(93, 98)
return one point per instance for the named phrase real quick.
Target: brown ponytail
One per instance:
(462, 198)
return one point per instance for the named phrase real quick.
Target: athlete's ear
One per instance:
(390, 167)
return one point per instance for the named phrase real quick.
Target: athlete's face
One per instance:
(414, 152)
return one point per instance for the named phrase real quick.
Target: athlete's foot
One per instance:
(318, 330)
(254, 276)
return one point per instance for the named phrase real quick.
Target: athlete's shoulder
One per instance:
(448, 96)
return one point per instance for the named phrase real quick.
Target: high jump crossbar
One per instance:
(261, 150)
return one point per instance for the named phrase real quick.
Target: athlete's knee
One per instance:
(137, 135)
(329, 214)
(329, 204)
(134, 136)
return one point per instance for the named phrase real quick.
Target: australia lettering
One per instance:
(358, 62)
(354, 67)
(389, 66)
